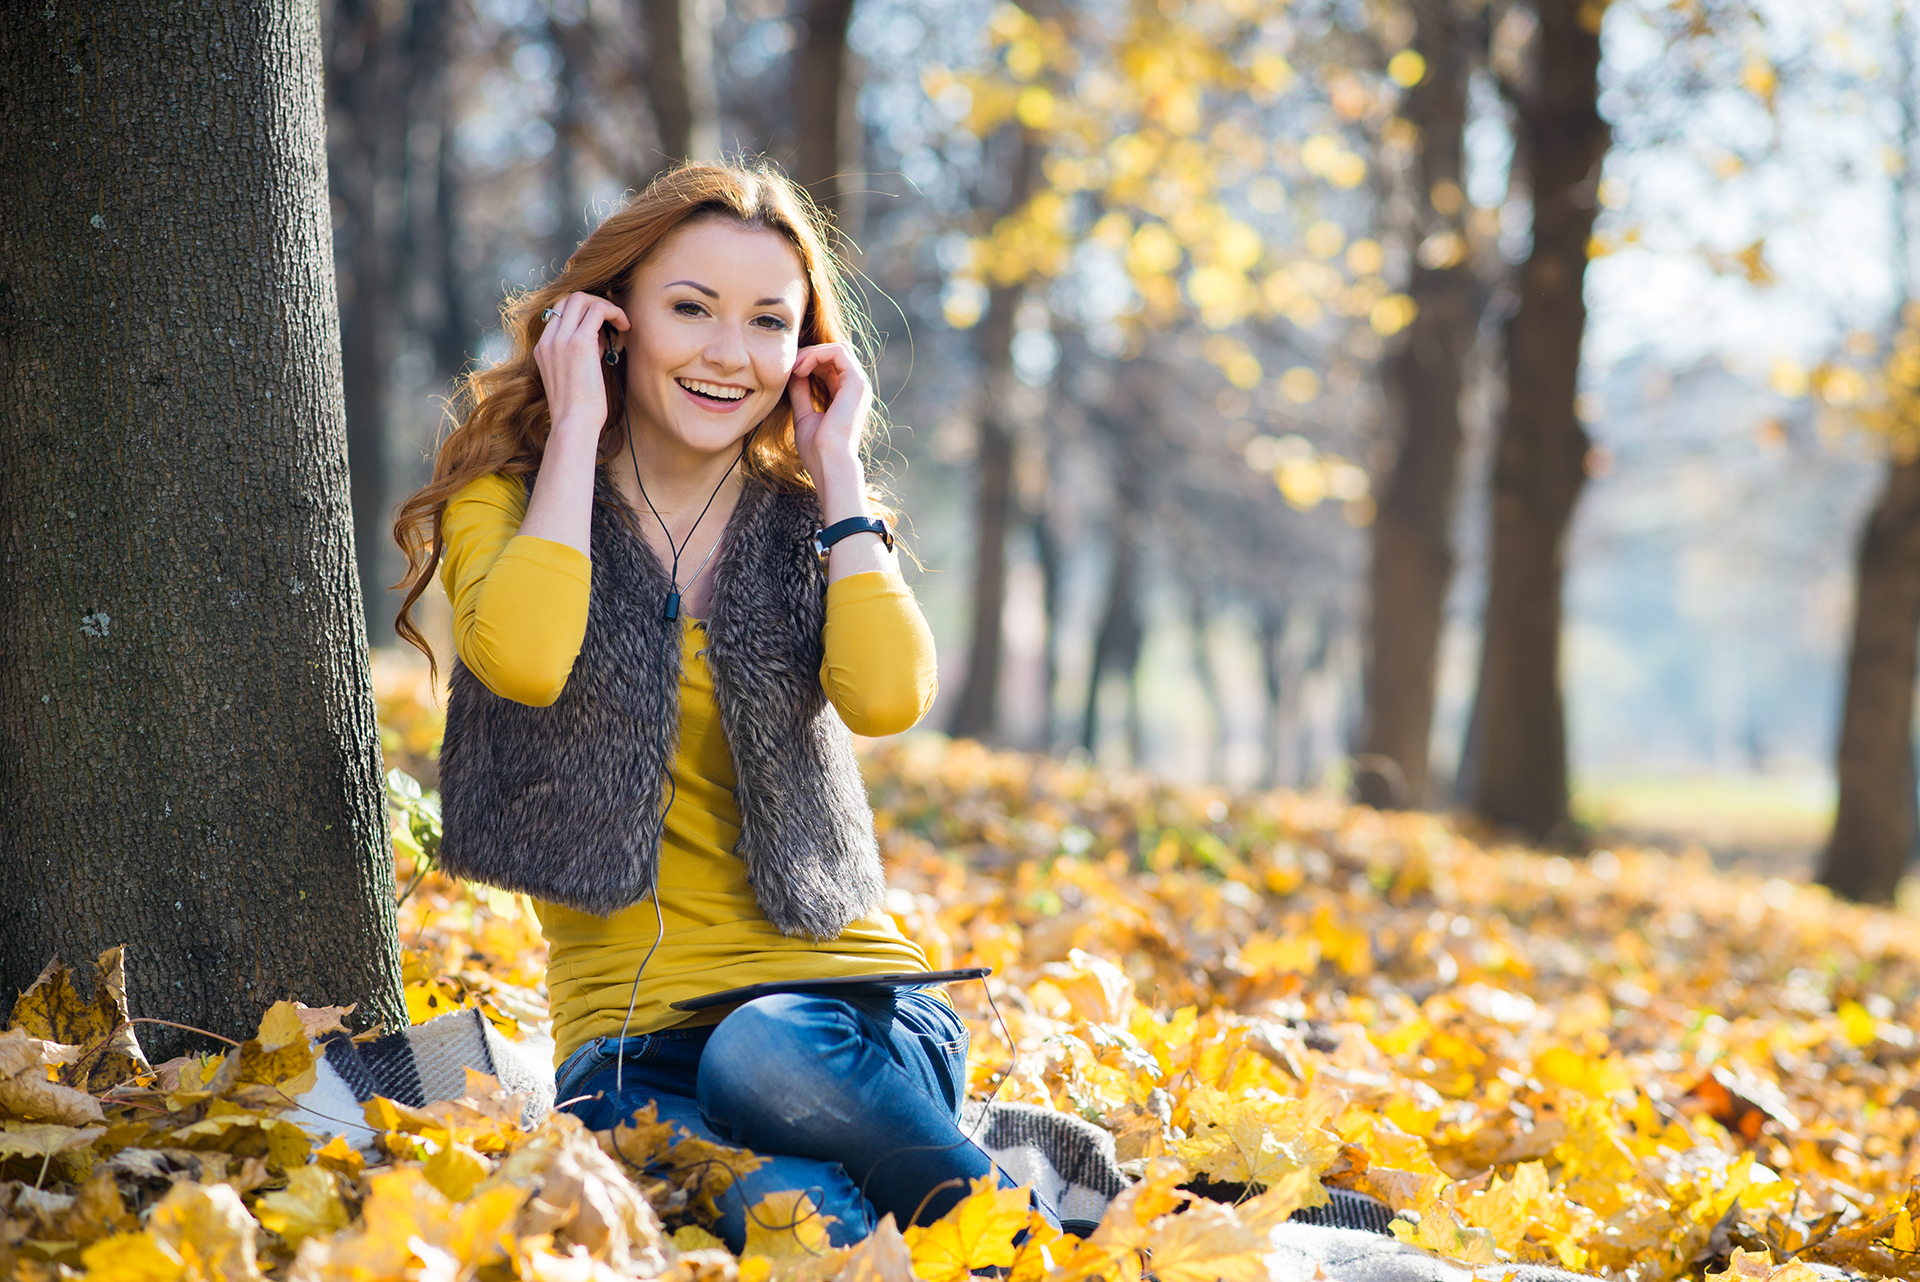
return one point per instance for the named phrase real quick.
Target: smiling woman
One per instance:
(674, 597)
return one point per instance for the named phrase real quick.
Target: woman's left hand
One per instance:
(829, 439)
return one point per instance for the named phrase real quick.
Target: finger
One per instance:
(599, 311)
(801, 398)
(582, 314)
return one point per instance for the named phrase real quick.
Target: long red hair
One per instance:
(502, 411)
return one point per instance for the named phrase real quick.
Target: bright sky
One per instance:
(1713, 172)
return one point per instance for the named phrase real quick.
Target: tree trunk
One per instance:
(1199, 620)
(1873, 827)
(825, 124)
(977, 715)
(574, 41)
(1116, 647)
(1117, 643)
(1048, 553)
(1873, 834)
(679, 81)
(186, 720)
(1412, 533)
(366, 136)
(426, 244)
(453, 333)
(1539, 463)
(1273, 626)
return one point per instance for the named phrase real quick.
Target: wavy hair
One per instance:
(502, 412)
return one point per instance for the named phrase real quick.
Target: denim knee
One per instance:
(786, 1055)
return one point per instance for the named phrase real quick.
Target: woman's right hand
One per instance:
(570, 355)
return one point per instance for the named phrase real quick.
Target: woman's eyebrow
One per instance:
(714, 294)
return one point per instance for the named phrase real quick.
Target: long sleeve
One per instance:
(879, 670)
(519, 603)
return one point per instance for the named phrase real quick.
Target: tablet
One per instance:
(891, 979)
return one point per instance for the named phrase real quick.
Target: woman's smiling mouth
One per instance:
(721, 393)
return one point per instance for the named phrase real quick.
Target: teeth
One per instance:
(716, 390)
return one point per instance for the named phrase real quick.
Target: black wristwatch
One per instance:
(823, 540)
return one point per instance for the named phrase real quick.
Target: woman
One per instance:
(648, 727)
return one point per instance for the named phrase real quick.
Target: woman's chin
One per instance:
(708, 437)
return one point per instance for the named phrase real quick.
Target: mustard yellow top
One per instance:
(519, 616)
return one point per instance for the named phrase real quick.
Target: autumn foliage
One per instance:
(1630, 1065)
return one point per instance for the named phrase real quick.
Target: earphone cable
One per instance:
(673, 575)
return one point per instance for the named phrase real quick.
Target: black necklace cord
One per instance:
(671, 610)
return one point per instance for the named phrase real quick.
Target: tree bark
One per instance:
(452, 330)
(1412, 533)
(679, 81)
(1199, 624)
(977, 714)
(1539, 463)
(824, 119)
(1273, 626)
(1873, 834)
(1117, 643)
(574, 41)
(1872, 842)
(1049, 554)
(367, 155)
(191, 765)
(1116, 646)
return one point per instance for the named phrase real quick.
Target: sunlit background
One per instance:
(1200, 219)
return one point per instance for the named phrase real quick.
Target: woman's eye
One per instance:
(689, 309)
(770, 322)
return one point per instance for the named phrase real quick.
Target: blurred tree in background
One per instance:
(1874, 826)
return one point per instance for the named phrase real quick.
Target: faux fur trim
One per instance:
(565, 803)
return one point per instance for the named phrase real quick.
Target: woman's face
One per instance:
(715, 330)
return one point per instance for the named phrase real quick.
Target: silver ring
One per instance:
(548, 315)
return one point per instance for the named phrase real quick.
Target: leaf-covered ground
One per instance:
(1628, 1064)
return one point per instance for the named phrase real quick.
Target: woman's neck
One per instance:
(677, 481)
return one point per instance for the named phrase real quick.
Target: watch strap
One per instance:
(823, 540)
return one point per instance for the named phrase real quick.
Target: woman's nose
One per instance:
(727, 349)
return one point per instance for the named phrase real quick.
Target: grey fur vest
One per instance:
(567, 803)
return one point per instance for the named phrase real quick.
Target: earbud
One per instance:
(613, 356)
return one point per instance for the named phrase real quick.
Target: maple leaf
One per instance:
(1505, 1208)
(26, 1092)
(1439, 1230)
(340, 1157)
(209, 1229)
(51, 1008)
(1758, 1266)
(976, 1234)
(883, 1257)
(42, 1140)
(1113, 1250)
(133, 1257)
(691, 1237)
(455, 1169)
(786, 1227)
(309, 1205)
(1296, 1189)
(1209, 1241)
(1254, 1141)
(99, 1210)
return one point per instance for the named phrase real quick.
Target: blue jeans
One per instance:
(855, 1099)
